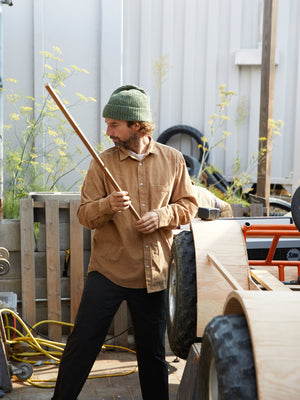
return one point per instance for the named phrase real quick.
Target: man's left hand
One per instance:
(148, 223)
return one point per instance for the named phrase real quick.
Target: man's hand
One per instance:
(148, 223)
(119, 201)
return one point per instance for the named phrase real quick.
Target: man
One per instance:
(129, 258)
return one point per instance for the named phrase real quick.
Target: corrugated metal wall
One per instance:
(200, 41)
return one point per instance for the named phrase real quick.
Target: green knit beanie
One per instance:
(128, 103)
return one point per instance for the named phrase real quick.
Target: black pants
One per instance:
(100, 301)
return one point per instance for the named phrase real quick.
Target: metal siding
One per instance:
(118, 42)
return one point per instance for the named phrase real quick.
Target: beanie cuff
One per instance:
(126, 113)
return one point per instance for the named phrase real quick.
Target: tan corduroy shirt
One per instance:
(159, 182)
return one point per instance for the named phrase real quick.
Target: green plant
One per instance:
(216, 123)
(241, 179)
(160, 69)
(39, 147)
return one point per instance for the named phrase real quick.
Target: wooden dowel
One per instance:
(226, 274)
(87, 144)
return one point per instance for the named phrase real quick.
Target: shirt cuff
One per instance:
(104, 206)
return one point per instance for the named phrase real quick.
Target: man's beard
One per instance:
(129, 144)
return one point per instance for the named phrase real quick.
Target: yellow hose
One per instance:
(37, 343)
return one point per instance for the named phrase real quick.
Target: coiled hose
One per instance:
(38, 345)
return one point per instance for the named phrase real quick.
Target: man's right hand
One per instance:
(119, 201)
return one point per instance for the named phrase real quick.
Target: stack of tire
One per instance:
(194, 163)
(277, 206)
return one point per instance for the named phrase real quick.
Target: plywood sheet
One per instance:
(224, 239)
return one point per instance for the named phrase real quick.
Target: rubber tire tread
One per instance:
(210, 180)
(283, 209)
(182, 330)
(227, 340)
(192, 164)
(221, 180)
(185, 130)
(295, 208)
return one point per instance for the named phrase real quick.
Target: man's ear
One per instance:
(137, 126)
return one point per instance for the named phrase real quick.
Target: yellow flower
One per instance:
(26, 109)
(75, 67)
(82, 97)
(92, 99)
(14, 117)
(52, 132)
(11, 80)
(57, 49)
(48, 66)
(46, 54)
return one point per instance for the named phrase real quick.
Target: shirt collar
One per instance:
(124, 153)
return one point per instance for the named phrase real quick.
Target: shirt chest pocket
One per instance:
(159, 195)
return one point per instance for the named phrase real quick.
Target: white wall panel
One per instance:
(118, 42)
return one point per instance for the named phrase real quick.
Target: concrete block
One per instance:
(64, 237)
(41, 263)
(11, 285)
(10, 234)
(64, 213)
(15, 265)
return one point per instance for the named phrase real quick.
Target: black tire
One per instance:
(185, 130)
(210, 180)
(226, 364)
(221, 180)
(192, 164)
(278, 207)
(182, 295)
(295, 208)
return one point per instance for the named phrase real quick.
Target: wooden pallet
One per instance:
(28, 273)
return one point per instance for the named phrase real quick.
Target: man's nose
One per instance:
(108, 131)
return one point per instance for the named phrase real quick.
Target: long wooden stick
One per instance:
(87, 144)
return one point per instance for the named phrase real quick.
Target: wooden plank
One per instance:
(53, 268)
(189, 384)
(268, 280)
(229, 278)
(266, 98)
(27, 261)
(121, 325)
(76, 259)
